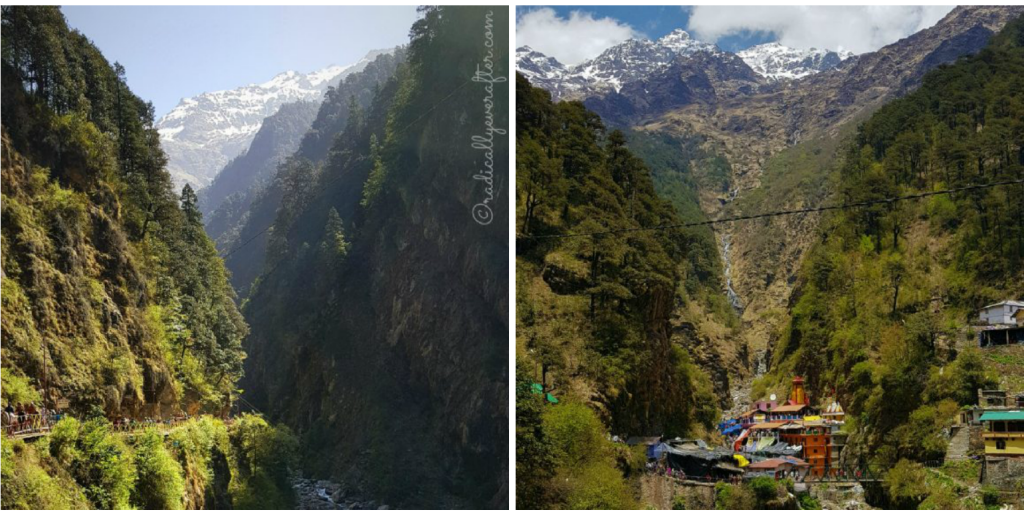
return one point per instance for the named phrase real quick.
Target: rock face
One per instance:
(278, 137)
(390, 357)
(204, 132)
(75, 297)
(702, 80)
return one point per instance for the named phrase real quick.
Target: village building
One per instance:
(815, 441)
(1001, 323)
(791, 412)
(781, 467)
(991, 400)
(1004, 433)
(834, 413)
(1004, 448)
(1000, 313)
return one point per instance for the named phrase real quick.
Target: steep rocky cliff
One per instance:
(278, 137)
(380, 320)
(113, 297)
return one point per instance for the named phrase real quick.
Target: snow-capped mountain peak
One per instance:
(680, 40)
(202, 133)
(775, 61)
(625, 62)
(637, 59)
(616, 66)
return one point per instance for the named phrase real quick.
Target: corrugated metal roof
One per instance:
(1017, 303)
(790, 408)
(1002, 416)
(768, 425)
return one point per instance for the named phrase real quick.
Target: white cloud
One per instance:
(570, 40)
(855, 28)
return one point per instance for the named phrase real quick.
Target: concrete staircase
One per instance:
(959, 442)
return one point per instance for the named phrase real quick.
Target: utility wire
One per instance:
(843, 206)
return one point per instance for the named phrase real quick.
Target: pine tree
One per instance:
(378, 174)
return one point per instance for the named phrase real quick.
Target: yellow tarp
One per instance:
(741, 460)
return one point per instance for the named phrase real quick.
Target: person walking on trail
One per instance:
(33, 416)
(22, 418)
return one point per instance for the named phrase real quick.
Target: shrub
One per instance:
(808, 502)
(764, 488)
(941, 498)
(990, 496)
(574, 433)
(905, 484)
(28, 485)
(733, 497)
(201, 445)
(599, 486)
(679, 502)
(262, 455)
(16, 388)
(160, 484)
(98, 460)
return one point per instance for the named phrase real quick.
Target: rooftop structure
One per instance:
(1000, 313)
(1004, 433)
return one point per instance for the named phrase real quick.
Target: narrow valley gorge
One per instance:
(292, 294)
(788, 265)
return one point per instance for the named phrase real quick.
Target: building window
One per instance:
(1000, 444)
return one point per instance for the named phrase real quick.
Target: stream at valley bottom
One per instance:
(326, 495)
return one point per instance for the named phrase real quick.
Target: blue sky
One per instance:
(656, 21)
(573, 34)
(173, 52)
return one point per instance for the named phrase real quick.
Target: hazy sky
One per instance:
(575, 33)
(174, 52)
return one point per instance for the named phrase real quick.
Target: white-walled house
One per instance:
(1000, 313)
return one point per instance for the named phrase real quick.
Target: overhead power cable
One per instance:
(779, 213)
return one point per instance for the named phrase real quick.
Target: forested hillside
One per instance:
(115, 304)
(886, 295)
(380, 317)
(241, 225)
(112, 291)
(594, 325)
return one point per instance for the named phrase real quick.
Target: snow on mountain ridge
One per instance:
(636, 59)
(627, 61)
(203, 133)
(777, 62)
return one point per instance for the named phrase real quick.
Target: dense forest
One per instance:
(380, 314)
(112, 290)
(885, 298)
(114, 300)
(593, 325)
(241, 223)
